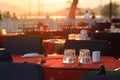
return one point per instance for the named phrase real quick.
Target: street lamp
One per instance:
(29, 7)
(110, 9)
(38, 7)
(101, 3)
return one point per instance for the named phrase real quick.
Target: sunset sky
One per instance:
(52, 5)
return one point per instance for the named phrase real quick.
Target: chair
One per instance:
(100, 26)
(110, 75)
(23, 44)
(115, 20)
(92, 45)
(21, 71)
(5, 56)
(113, 40)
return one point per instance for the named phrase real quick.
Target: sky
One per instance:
(52, 5)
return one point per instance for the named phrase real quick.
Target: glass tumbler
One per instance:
(69, 56)
(84, 56)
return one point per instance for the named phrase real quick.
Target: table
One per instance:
(47, 34)
(56, 70)
(53, 45)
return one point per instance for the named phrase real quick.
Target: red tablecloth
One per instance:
(56, 70)
(56, 62)
(53, 45)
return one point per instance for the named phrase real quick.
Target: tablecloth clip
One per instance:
(116, 69)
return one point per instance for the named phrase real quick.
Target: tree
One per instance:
(106, 12)
(73, 8)
(6, 14)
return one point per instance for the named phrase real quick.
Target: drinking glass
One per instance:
(69, 56)
(84, 56)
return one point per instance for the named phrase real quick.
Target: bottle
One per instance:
(84, 35)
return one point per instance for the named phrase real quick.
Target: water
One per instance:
(52, 17)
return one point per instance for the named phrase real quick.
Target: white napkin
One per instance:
(31, 55)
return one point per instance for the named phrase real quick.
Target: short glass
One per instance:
(69, 56)
(84, 56)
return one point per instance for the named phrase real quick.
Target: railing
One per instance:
(18, 25)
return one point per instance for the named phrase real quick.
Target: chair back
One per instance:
(100, 26)
(23, 44)
(21, 71)
(113, 40)
(110, 75)
(92, 45)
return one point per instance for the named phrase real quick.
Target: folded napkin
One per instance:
(31, 55)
